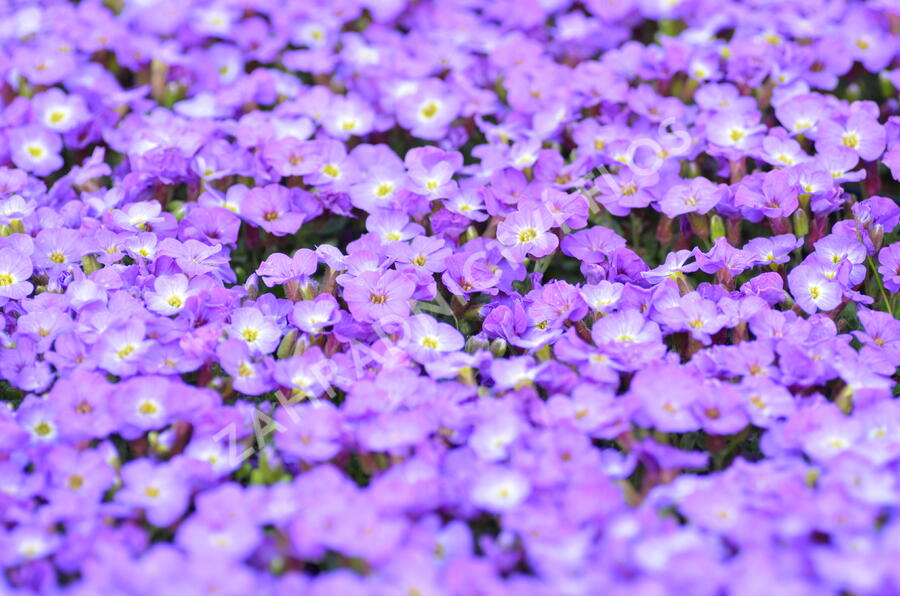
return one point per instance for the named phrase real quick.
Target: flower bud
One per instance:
(716, 227)
(474, 344)
(801, 223)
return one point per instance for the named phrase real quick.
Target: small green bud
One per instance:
(287, 344)
(716, 226)
(89, 264)
(801, 223)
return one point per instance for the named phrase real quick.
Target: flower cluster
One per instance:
(449, 297)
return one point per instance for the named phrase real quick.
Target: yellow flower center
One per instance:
(850, 139)
(527, 235)
(629, 189)
(429, 110)
(6, 280)
(42, 429)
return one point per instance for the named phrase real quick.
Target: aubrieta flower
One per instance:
(161, 491)
(772, 251)
(170, 294)
(36, 149)
(426, 339)
(379, 297)
(599, 310)
(15, 271)
(861, 132)
(59, 112)
(271, 208)
(527, 233)
(313, 316)
(812, 290)
(698, 196)
(889, 266)
(259, 331)
(279, 268)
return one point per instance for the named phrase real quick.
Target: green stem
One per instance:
(884, 296)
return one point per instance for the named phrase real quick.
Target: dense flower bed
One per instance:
(449, 297)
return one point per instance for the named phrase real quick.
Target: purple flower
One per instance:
(777, 196)
(426, 339)
(527, 233)
(280, 268)
(15, 270)
(311, 431)
(259, 331)
(59, 112)
(499, 489)
(813, 291)
(36, 149)
(735, 131)
(889, 266)
(143, 404)
(431, 171)
(121, 348)
(291, 157)
(252, 375)
(379, 297)
(801, 113)
(772, 251)
(192, 256)
(392, 226)
(666, 394)
(170, 294)
(625, 327)
(697, 196)
(307, 375)
(271, 208)
(313, 316)
(696, 315)
(161, 490)
(723, 256)
(348, 116)
(427, 111)
(861, 132)
(424, 253)
(674, 267)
